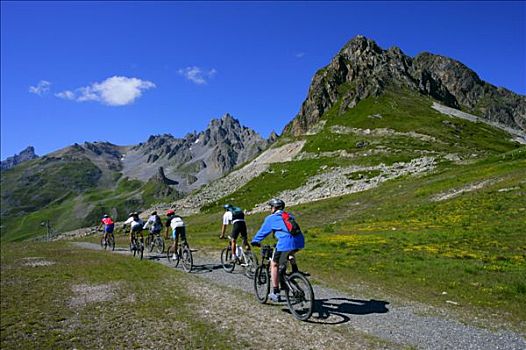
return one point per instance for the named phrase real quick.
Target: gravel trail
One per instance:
(339, 321)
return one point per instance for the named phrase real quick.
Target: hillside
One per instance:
(399, 191)
(74, 186)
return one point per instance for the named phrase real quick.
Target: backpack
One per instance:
(291, 224)
(157, 224)
(237, 213)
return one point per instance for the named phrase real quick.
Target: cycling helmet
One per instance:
(154, 212)
(227, 206)
(106, 216)
(276, 203)
(170, 212)
(130, 214)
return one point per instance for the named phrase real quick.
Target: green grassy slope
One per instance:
(401, 112)
(75, 210)
(399, 237)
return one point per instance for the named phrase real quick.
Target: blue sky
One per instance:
(121, 71)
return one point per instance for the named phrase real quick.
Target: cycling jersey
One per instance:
(134, 223)
(176, 221)
(155, 224)
(108, 225)
(286, 242)
(228, 218)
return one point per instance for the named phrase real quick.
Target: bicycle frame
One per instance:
(297, 287)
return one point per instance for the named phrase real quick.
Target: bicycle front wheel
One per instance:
(250, 265)
(186, 257)
(172, 255)
(103, 243)
(262, 283)
(300, 296)
(226, 260)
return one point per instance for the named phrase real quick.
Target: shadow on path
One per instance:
(339, 310)
(206, 268)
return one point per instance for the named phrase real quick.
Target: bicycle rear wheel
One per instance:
(250, 265)
(226, 259)
(111, 242)
(186, 257)
(262, 283)
(172, 255)
(159, 244)
(300, 296)
(140, 247)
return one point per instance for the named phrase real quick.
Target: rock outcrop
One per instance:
(362, 69)
(24, 156)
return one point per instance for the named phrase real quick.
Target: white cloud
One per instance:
(300, 54)
(41, 88)
(67, 95)
(114, 91)
(197, 75)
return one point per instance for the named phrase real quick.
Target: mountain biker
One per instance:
(287, 245)
(108, 224)
(236, 217)
(136, 225)
(155, 223)
(176, 223)
(169, 216)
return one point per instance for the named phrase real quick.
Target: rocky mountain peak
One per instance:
(362, 69)
(198, 157)
(27, 154)
(360, 46)
(272, 137)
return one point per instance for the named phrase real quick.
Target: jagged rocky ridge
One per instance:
(362, 69)
(197, 158)
(25, 155)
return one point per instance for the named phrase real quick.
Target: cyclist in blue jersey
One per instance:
(288, 244)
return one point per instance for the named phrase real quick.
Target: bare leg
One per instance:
(274, 274)
(234, 247)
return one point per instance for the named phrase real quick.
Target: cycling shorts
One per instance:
(239, 228)
(109, 228)
(136, 228)
(280, 258)
(179, 232)
(155, 231)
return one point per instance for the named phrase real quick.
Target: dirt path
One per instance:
(339, 321)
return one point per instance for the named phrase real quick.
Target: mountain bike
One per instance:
(137, 245)
(183, 253)
(108, 242)
(155, 241)
(297, 287)
(247, 260)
